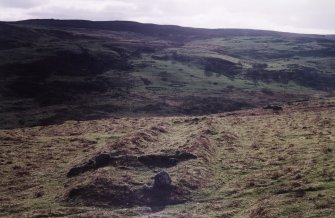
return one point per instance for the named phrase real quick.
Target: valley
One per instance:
(124, 119)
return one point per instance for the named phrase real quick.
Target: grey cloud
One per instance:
(18, 3)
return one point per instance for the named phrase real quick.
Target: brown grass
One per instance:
(250, 163)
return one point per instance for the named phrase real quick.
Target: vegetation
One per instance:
(53, 70)
(255, 163)
(122, 119)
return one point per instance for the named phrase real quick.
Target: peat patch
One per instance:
(106, 192)
(116, 159)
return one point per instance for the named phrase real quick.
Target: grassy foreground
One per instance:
(250, 163)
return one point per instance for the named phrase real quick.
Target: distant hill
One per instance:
(56, 70)
(165, 31)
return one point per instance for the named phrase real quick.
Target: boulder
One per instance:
(102, 160)
(162, 180)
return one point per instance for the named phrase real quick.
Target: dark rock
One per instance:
(162, 180)
(273, 107)
(300, 193)
(39, 194)
(102, 160)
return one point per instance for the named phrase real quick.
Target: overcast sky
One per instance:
(302, 16)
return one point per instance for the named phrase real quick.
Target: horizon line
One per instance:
(181, 26)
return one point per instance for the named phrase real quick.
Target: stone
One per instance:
(162, 180)
(102, 160)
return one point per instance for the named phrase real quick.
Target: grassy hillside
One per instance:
(249, 163)
(123, 119)
(53, 70)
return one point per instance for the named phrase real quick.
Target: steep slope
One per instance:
(57, 70)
